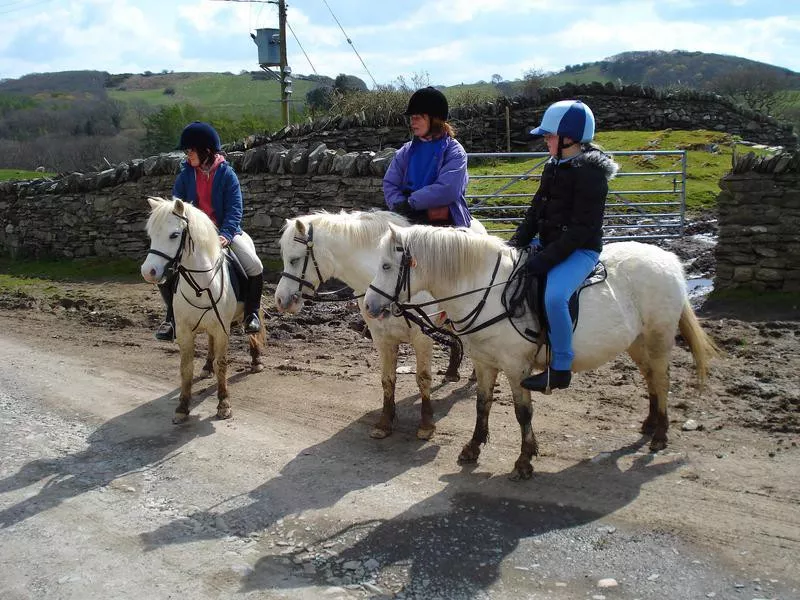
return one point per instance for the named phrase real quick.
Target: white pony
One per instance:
(323, 245)
(184, 240)
(638, 309)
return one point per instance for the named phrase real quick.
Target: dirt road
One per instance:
(101, 496)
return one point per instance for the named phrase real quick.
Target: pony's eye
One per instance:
(174, 235)
(386, 266)
(294, 261)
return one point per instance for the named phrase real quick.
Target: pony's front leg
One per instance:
(186, 344)
(523, 468)
(487, 376)
(423, 349)
(456, 356)
(220, 342)
(388, 354)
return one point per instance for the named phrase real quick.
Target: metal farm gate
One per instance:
(646, 200)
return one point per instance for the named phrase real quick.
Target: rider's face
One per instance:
(192, 157)
(420, 125)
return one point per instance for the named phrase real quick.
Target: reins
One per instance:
(467, 323)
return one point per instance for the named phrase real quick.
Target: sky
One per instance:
(443, 42)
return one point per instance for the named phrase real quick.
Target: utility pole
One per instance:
(286, 70)
(285, 74)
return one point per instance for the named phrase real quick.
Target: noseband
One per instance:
(173, 262)
(308, 242)
(403, 283)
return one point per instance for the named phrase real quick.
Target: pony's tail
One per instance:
(702, 346)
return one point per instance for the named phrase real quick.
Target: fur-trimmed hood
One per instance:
(596, 158)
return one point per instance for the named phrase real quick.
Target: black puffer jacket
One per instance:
(567, 210)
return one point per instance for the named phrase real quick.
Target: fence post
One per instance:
(508, 130)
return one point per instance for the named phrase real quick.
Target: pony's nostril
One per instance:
(152, 272)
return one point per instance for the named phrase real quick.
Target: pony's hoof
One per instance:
(523, 469)
(224, 413)
(257, 368)
(658, 444)
(378, 434)
(179, 418)
(205, 374)
(452, 377)
(521, 475)
(425, 433)
(469, 455)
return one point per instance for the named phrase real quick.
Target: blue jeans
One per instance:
(562, 281)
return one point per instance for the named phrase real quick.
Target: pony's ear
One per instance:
(153, 201)
(300, 227)
(394, 234)
(178, 209)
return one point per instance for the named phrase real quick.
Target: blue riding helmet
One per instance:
(200, 136)
(569, 118)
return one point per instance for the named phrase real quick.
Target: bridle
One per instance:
(174, 267)
(334, 296)
(406, 309)
(308, 242)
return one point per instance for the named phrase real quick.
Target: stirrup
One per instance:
(165, 332)
(252, 324)
(547, 380)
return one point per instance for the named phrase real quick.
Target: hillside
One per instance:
(674, 68)
(74, 120)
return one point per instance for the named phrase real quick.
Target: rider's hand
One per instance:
(535, 265)
(224, 241)
(403, 208)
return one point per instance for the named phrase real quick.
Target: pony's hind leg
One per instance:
(256, 343)
(388, 354)
(651, 354)
(487, 376)
(186, 344)
(523, 409)
(423, 349)
(221, 369)
(208, 367)
(456, 355)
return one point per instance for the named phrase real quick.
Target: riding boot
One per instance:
(166, 331)
(549, 379)
(252, 303)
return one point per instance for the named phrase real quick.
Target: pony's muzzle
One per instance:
(376, 308)
(292, 304)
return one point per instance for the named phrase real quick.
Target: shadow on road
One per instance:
(316, 478)
(458, 551)
(116, 448)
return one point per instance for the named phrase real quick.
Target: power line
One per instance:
(349, 41)
(301, 47)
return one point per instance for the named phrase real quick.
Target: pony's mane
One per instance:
(449, 254)
(362, 228)
(203, 232)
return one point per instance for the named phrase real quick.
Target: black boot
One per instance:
(166, 331)
(252, 303)
(550, 379)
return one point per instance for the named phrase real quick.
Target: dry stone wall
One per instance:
(759, 225)
(104, 214)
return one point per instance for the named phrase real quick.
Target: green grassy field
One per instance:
(8, 174)
(219, 93)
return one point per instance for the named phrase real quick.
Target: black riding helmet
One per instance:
(200, 136)
(428, 101)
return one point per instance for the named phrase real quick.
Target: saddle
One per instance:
(236, 274)
(526, 298)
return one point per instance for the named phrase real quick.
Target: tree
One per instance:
(758, 89)
(320, 99)
(163, 128)
(496, 79)
(533, 81)
(349, 83)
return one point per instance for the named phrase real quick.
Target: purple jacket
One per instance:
(448, 189)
